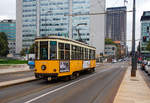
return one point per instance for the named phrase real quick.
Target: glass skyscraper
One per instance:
(9, 28)
(116, 21)
(81, 23)
(53, 17)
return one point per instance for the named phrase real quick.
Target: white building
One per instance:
(51, 17)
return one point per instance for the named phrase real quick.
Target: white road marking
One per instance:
(38, 97)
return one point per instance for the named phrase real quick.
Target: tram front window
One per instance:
(53, 50)
(44, 50)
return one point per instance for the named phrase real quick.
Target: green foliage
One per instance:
(109, 41)
(4, 50)
(12, 61)
(23, 51)
(148, 46)
(31, 49)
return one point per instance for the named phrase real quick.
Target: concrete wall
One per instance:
(18, 26)
(97, 25)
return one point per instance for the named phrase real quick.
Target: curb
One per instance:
(16, 72)
(17, 81)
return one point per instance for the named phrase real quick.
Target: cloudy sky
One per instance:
(8, 11)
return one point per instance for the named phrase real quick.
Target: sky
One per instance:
(8, 11)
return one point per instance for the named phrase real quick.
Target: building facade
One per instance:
(145, 33)
(116, 21)
(9, 28)
(53, 17)
(110, 50)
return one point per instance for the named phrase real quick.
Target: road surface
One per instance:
(98, 87)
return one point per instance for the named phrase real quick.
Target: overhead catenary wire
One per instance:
(98, 13)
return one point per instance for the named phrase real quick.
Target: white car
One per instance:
(147, 67)
(114, 61)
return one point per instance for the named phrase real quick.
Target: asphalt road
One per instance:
(98, 87)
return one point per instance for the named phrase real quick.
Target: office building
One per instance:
(145, 33)
(110, 50)
(53, 17)
(9, 28)
(116, 22)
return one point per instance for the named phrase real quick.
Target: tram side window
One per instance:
(67, 51)
(44, 50)
(94, 54)
(82, 53)
(73, 56)
(77, 53)
(53, 50)
(61, 51)
(90, 54)
(86, 53)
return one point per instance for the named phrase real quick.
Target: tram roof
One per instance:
(63, 38)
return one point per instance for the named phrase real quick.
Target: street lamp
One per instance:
(78, 31)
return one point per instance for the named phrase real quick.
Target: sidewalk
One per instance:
(133, 89)
(13, 69)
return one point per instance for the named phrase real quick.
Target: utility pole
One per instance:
(70, 19)
(134, 64)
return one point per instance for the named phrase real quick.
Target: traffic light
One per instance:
(148, 30)
(144, 39)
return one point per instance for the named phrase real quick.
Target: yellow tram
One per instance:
(62, 57)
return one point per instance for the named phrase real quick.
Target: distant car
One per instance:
(114, 61)
(120, 60)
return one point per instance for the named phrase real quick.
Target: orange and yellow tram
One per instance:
(61, 57)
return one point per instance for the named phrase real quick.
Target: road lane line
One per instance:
(38, 97)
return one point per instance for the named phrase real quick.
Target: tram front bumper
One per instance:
(45, 75)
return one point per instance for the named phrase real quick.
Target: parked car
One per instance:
(147, 68)
(143, 64)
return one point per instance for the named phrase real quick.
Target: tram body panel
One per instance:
(93, 64)
(51, 66)
(58, 57)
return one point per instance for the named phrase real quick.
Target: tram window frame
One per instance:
(53, 50)
(36, 50)
(42, 46)
(61, 51)
(67, 51)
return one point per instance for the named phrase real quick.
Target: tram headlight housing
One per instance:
(43, 67)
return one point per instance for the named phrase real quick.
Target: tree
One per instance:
(31, 49)
(148, 46)
(23, 52)
(4, 49)
(109, 41)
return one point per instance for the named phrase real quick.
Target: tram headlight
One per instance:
(43, 67)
